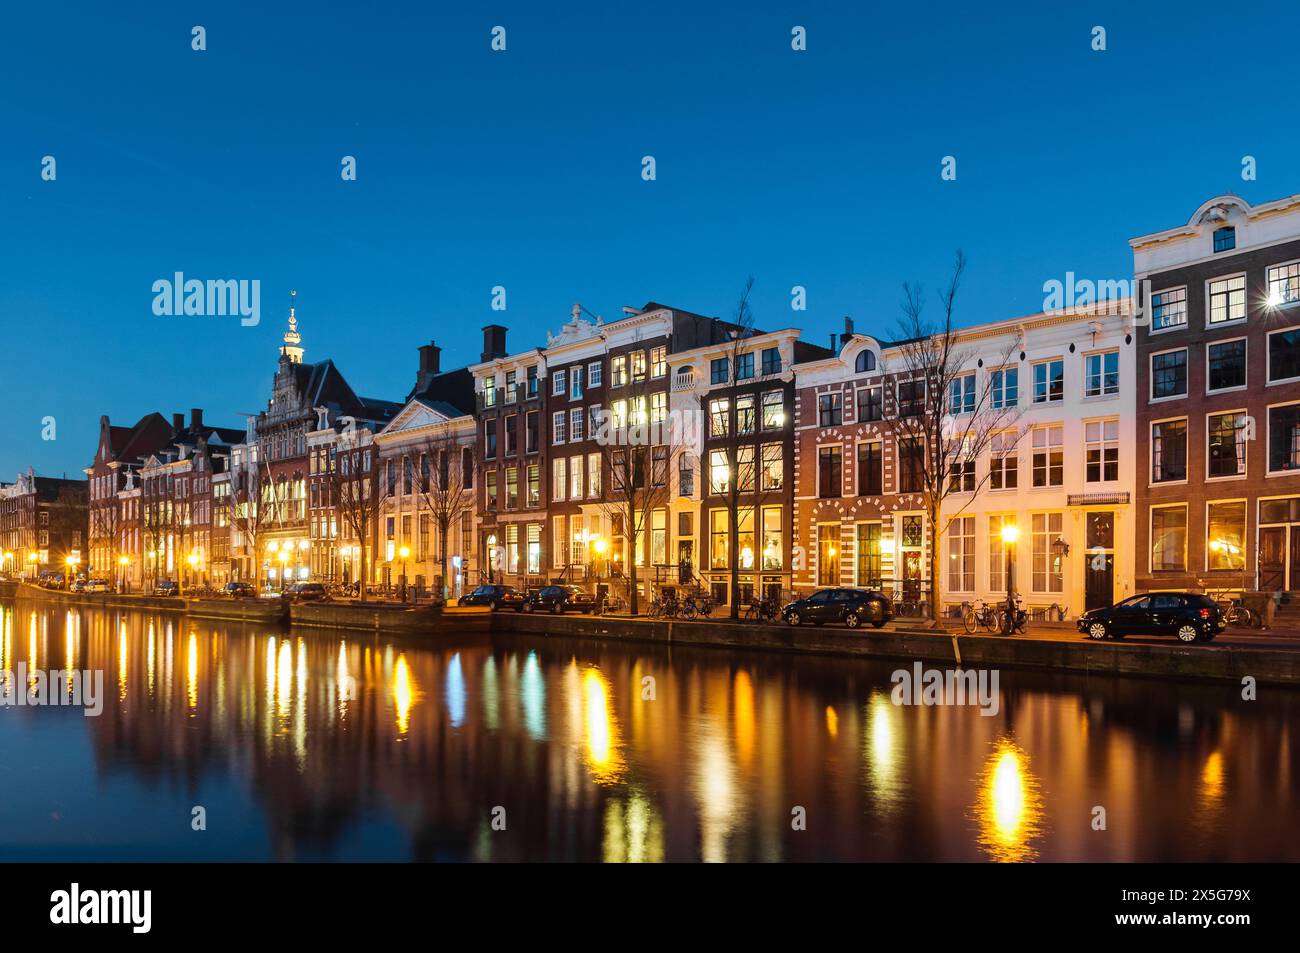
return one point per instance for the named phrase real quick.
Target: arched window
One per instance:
(866, 362)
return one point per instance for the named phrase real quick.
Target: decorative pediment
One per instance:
(414, 416)
(578, 328)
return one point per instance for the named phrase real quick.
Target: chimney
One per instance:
(848, 331)
(196, 419)
(494, 342)
(430, 364)
(833, 346)
(178, 423)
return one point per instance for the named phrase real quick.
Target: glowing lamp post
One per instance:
(123, 562)
(404, 552)
(599, 547)
(1010, 533)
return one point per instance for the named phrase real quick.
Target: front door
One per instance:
(1099, 561)
(1293, 576)
(1272, 558)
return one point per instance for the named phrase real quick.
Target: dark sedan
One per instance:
(560, 599)
(307, 592)
(495, 596)
(853, 607)
(1190, 616)
(239, 590)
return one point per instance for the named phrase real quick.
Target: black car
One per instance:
(853, 607)
(238, 590)
(306, 592)
(560, 599)
(495, 596)
(1190, 616)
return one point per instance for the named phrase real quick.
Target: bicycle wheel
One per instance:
(688, 611)
(969, 621)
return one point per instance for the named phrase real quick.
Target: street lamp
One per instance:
(123, 561)
(283, 556)
(1010, 533)
(193, 560)
(404, 553)
(491, 557)
(599, 547)
(71, 562)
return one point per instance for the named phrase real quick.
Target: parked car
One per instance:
(495, 596)
(560, 599)
(49, 579)
(166, 587)
(78, 585)
(853, 607)
(1190, 616)
(97, 585)
(238, 590)
(307, 592)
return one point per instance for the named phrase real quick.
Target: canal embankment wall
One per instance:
(1176, 661)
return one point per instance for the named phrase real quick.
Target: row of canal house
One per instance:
(1138, 445)
(798, 446)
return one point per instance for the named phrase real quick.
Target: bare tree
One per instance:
(945, 418)
(105, 527)
(68, 521)
(739, 484)
(444, 485)
(637, 455)
(357, 490)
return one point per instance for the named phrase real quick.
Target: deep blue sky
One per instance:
(523, 169)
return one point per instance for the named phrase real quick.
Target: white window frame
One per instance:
(1268, 440)
(1103, 394)
(1245, 292)
(558, 381)
(1152, 306)
(1227, 411)
(595, 374)
(558, 426)
(1245, 531)
(1268, 281)
(1151, 522)
(1151, 374)
(1268, 358)
(1151, 450)
(1033, 385)
(1226, 390)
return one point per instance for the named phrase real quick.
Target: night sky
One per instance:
(523, 169)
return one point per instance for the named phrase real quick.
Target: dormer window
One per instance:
(866, 362)
(1225, 239)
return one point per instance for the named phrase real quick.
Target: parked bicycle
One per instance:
(982, 616)
(761, 610)
(1019, 620)
(1236, 613)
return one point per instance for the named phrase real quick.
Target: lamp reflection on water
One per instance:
(600, 729)
(403, 693)
(1009, 807)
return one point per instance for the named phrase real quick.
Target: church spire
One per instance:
(292, 349)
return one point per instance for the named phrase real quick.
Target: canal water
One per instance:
(315, 745)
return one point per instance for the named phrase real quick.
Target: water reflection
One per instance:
(1010, 807)
(316, 745)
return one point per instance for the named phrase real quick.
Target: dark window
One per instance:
(1284, 438)
(911, 464)
(1169, 451)
(719, 370)
(866, 362)
(871, 404)
(830, 410)
(1227, 450)
(871, 469)
(911, 398)
(1227, 365)
(1284, 355)
(744, 366)
(1169, 374)
(490, 430)
(532, 382)
(829, 482)
(1225, 239)
(771, 361)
